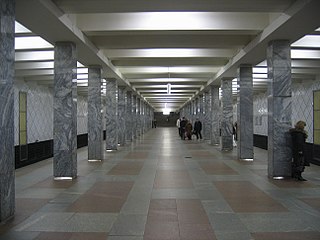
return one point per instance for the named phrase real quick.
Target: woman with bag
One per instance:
(299, 136)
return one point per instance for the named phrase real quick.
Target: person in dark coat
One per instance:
(197, 128)
(299, 136)
(183, 124)
(189, 130)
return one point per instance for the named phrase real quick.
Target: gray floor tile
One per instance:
(129, 225)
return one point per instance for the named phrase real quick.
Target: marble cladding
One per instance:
(111, 115)
(122, 115)
(279, 108)
(134, 117)
(65, 110)
(245, 113)
(193, 116)
(82, 115)
(95, 137)
(227, 115)
(7, 160)
(138, 126)
(215, 116)
(143, 117)
(206, 125)
(129, 116)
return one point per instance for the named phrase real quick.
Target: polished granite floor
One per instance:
(160, 187)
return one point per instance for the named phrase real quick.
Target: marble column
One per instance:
(215, 116)
(279, 108)
(206, 117)
(111, 115)
(197, 106)
(149, 117)
(7, 159)
(245, 113)
(143, 117)
(138, 117)
(227, 115)
(193, 116)
(122, 115)
(129, 117)
(201, 108)
(95, 127)
(134, 117)
(65, 111)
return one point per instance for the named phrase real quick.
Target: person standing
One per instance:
(183, 124)
(298, 136)
(189, 130)
(197, 128)
(178, 126)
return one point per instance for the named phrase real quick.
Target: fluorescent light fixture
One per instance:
(305, 54)
(82, 70)
(82, 80)
(257, 70)
(31, 42)
(166, 111)
(34, 56)
(82, 76)
(168, 88)
(170, 53)
(21, 29)
(260, 75)
(308, 41)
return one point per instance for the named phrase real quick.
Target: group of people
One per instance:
(185, 128)
(298, 136)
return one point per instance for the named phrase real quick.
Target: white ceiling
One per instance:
(146, 45)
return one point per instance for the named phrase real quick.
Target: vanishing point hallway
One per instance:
(160, 187)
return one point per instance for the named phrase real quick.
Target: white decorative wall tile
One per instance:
(40, 112)
(82, 124)
(302, 99)
(302, 108)
(260, 114)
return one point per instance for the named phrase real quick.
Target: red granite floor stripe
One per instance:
(243, 196)
(103, 197)
(286, 235)
(217, 168)
(126, 168)
(172, 179)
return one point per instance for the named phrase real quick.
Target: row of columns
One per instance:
(127, 116)
(217, 115)
(65, 113)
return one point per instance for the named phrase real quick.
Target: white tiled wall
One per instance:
(40, 112)
(302, 107)
(82, 115)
